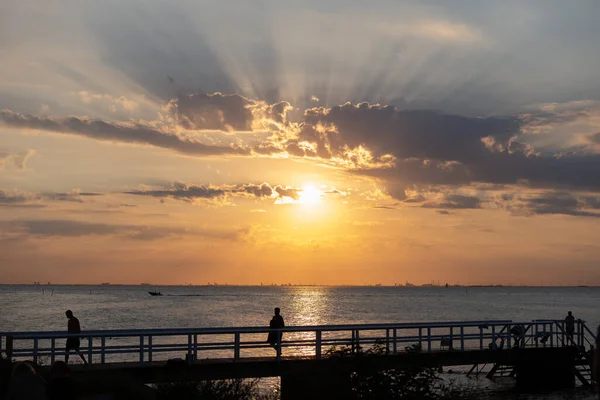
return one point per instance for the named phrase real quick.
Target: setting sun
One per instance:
(309, 195)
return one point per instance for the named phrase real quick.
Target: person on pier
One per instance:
(73, 343)
(570, 326)
(274, 338)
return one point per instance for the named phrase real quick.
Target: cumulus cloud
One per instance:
(288, 192)
(401, 147)
(137, 133)
(70, 228)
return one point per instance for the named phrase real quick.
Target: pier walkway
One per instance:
(155, 355)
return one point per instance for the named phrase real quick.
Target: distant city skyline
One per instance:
(337, 143)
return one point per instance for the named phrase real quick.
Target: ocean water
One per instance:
(42, 307)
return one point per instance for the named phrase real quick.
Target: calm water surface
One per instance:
(33, 308)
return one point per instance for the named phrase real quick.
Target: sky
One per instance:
(333, 142)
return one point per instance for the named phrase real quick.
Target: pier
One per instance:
(536, 351)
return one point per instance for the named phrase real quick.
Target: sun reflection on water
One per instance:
(308, 306)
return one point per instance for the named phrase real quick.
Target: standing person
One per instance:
(73, 343)
(275, 337)
(570, 326)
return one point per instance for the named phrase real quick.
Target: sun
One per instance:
(309, 195)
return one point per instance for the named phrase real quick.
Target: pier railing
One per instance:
(151, 345)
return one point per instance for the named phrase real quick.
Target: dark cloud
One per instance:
(455, 201)
(439, 149)
(564, 203)
(74, 196)
(183, 191)
(226, 112)
(287, 192)
(71, 228)
(18, 198)
(262, 190)
(404, 134)
(190, 192)
(128, 133)
(10, 198)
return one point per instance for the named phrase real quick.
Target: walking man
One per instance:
(274, 338)
(73, 343)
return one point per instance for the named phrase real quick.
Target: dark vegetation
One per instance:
(233, 389)
(408, 383)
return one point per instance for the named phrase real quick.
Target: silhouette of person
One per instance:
(570, 325)
(518, 332)
(275, 337)
(73, 343)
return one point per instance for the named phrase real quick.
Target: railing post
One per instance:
(493, 335)
(90, 345)
(508, 342)
(189, 353)
(537, 330)
(236, 346)
(35, 350)
(9, 347)
(357, 337)
(387, 341)
(141, 350)
(52, 350)
(462, 338)
(279, 349)
(195, 346)
(395, 345)
(420, 339)
(480, 337)
(451, 338)
(318, 345)
(102, 349)
(429, 339)
(353, 341)
(149, 348)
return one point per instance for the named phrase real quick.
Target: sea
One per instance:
(42, 308)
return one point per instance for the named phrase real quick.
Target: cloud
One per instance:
(262, 190)
(227, 112)
(70, 228)
(182, 191)
(455, 201)
(563, 203)
(419, 147)
(18, 198)
(191, 193)
(288, 192)
(15, 160)
(137, 133)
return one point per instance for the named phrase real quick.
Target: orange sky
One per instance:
(359, 145)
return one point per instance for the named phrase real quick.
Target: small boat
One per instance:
(155, 293)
